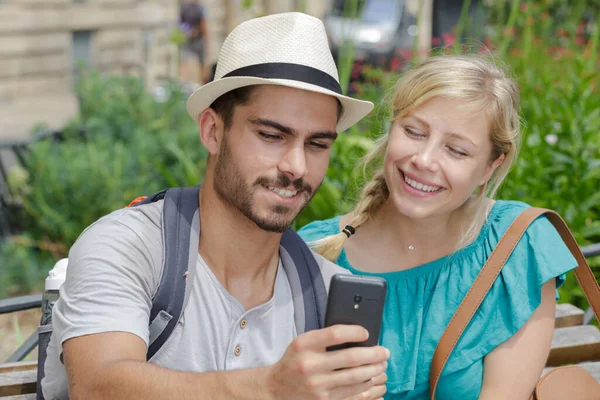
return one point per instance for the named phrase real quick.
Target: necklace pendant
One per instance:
(411, 247)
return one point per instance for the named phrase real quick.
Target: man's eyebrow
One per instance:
(273, 124)
(453, 134)
(287, 130)
(324, 135)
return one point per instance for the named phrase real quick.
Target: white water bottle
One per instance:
(55, 279)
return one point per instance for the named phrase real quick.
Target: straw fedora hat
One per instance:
(288, 49)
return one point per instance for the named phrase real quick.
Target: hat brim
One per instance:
(353, 110)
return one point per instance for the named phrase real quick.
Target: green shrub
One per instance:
(552, 48)
(132, 144)
(136, 143)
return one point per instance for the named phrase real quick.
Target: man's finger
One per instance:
(380, 379)
(354, 376)
(376, 392)
(354, 357)
(352, 391)
(320, 339)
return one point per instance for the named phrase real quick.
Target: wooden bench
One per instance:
(572, 343)
(18, 380)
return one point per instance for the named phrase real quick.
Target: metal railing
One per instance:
(28, 302)
(22, 303)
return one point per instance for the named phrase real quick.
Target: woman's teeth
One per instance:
(420, 186)
(283, 192)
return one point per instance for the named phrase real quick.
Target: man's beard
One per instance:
(230, 186)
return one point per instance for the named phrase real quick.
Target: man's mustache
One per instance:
(285, 181)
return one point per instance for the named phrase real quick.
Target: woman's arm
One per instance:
(512, 370)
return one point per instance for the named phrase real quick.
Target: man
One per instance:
(268, 121)
(192, 19)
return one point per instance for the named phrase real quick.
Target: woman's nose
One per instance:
(426, 157)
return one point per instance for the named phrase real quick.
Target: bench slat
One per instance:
(575, 344)
(568, 315)
(593, 368)
(18, 366)
(18, 382)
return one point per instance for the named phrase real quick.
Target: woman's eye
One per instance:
(413, 133)
(458, 152)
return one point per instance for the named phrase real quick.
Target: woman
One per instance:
(427, 222)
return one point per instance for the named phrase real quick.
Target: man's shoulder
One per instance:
(135, 221)
(328, 269)
(127, 238)
(327, 265)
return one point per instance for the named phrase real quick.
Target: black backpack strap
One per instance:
(181, 232)
(306, 282)
(181, 235)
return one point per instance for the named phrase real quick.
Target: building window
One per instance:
(81, 49)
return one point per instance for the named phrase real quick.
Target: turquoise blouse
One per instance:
(420, 302)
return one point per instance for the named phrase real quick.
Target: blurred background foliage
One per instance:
(129, 142)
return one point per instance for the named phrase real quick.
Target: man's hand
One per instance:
(308, 371)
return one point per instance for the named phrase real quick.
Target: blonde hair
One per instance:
(478, 85)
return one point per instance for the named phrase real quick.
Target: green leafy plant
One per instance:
(128, 142)
(125, 143)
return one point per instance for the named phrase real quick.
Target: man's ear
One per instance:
(210, 127)
(491, 168)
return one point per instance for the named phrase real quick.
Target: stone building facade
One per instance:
(43, 41)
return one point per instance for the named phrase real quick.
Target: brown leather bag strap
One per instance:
(488, 275)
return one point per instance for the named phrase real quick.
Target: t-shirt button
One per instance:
(243, 323)
(237, 351)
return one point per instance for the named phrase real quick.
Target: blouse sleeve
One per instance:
(319, 229)
(540, 255)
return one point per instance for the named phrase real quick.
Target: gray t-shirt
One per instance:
(114, 270)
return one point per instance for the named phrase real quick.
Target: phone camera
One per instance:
(357, 298)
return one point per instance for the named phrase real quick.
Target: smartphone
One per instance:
(356, 300)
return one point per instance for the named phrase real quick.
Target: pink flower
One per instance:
(406, 54)
(509, 31)
(449, 38)
(488, 43)
(435, 41)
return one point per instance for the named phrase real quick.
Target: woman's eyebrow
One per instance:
(452, 134)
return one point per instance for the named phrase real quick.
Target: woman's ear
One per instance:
(491, 168)
(210, 127)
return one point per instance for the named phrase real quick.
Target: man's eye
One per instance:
(269, 136)
(320, 145)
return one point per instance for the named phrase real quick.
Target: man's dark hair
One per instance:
(226, 103)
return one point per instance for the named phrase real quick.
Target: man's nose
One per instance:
(293, 163)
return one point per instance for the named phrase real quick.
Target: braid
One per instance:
(374, 194)
(371, 199)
